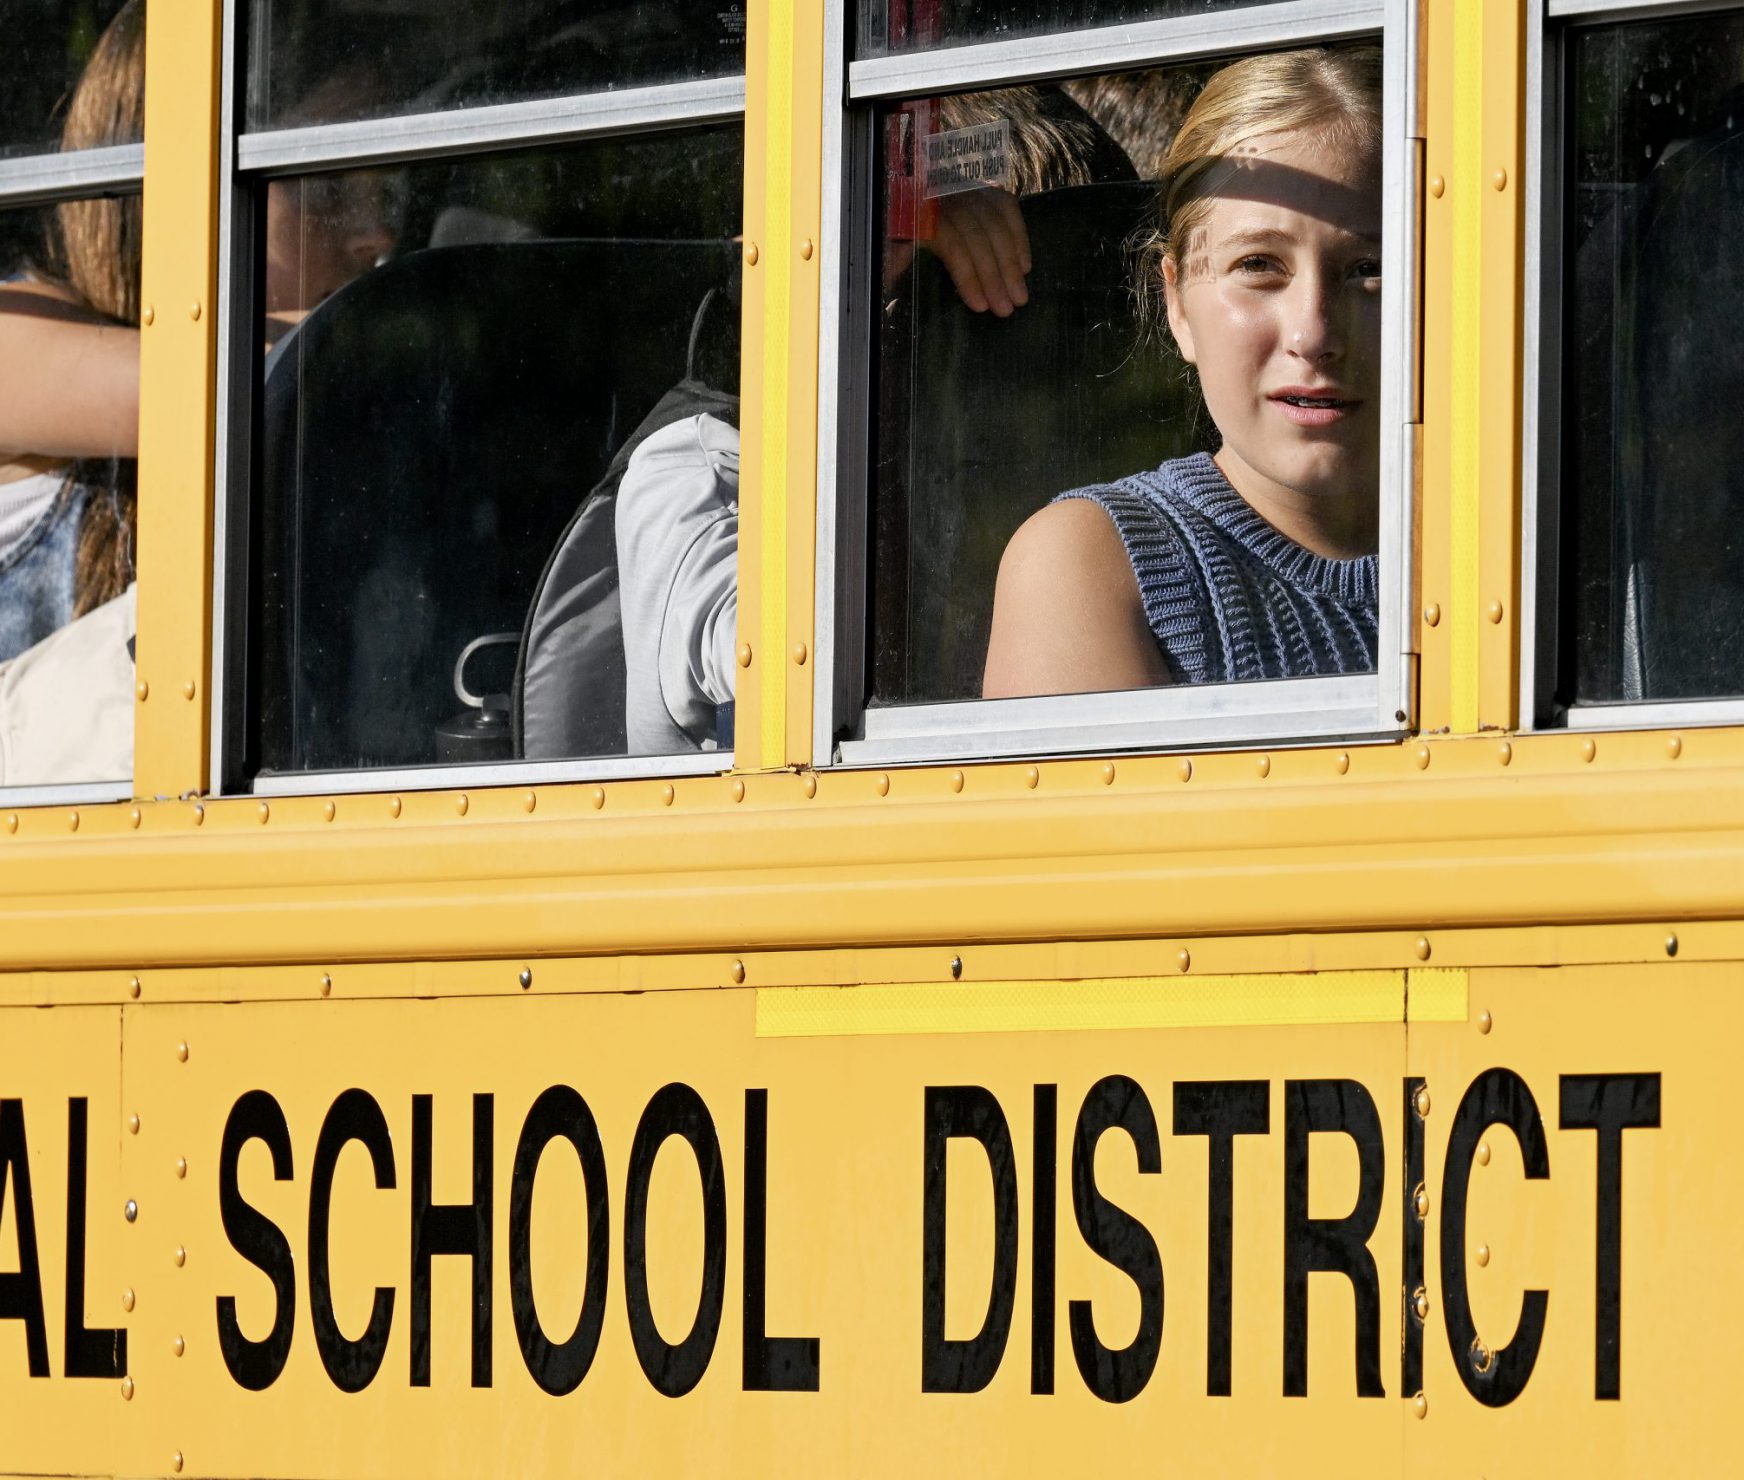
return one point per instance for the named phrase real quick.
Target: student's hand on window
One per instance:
(984, 246)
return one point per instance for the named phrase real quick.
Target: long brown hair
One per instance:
(95, 250)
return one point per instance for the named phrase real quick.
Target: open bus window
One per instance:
(339, 61)
(1652, 448)
(894, 27)
(48, 45)
(459, 361)
(1130, 411)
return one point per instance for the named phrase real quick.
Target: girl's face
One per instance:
(1276, 298)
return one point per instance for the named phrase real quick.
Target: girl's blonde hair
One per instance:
(1325, 90)
(95, 251)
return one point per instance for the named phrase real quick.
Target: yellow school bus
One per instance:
(1320, 1074)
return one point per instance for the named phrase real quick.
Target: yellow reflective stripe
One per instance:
(1467, 186)
(1437, 994)
(1262, 1000)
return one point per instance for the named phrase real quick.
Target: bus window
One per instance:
(460, 355)
(1133, 474)
(1651, 590)
(69, 398)
(891, 27)
(447, 54)
(48, 44)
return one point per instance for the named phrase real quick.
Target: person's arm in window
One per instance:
(69, 381)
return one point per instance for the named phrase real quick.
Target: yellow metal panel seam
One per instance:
(176, 398)
(1265, 1000)
(1467, 350)
(775, 140)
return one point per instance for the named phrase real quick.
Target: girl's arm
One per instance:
(69, 383)
(1067, 614)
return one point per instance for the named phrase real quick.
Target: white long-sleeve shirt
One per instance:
(678, 559)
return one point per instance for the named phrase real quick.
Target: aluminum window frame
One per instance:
(46, 179)
(248, 159)
(1549, 24)
(1378, 706)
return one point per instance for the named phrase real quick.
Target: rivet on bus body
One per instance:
(178, 1346)
(805, 249)
(181, 1256)
(194, 310)
(326, 984)
(956, 781)
(265, 811)
(1422, 947)
(1589, 749)
(599, 797)
(1422, 1102)
(148, 315)
(135, 817)
(1505, 752)
(1420, 1303)
(956, 968)
(744, 655)
(739, 972)
(1674, 746)
(72, 822)
(188, 688)
(11, 822)
(1342, 764)
(133, 987)
(176, 1461)
(1108, 773)
(1432, 615)
(1494, 612)
(130, 1211)
(883, 784)
(395, 806)
(751, 254)
(667, 794)
(1420, 1201)
(1483, 1255)
(1499, 180)
(142, 690)
(738, 790)
(1184, 958)
(1185, 770)
(127, 1300)
(182, 1051)
(1264, 766)
(127, 1389)
(1485, 1021)
(1032, 778)
(199, 813)
(808, 784)
(800, 654)
(1438, 187)
(1481, 1356)
(181, 1168)
(1483, 1153)
(1420, 1406)
(1671, 945)
(1422, 757)
(462, 804)
(526, 977)
(530, 801)
(133, 1124)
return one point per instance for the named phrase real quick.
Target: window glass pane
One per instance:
(333, 61)
(69, 432)
(72, 74)
(1653, 457)
(1025, 348)
(890, 27)
(460, 357)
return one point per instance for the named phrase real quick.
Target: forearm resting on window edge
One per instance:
(69, 386)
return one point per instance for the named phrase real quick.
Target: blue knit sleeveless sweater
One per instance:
(1229, 598)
